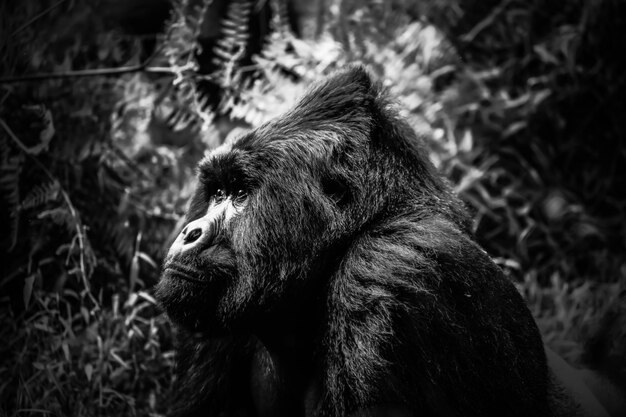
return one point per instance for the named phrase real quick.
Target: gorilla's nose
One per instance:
(197, 235)
(191, 235)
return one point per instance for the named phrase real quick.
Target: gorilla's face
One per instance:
(271, 213)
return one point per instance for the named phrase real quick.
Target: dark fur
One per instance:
(349, 284)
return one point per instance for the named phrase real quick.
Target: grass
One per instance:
(113, 361)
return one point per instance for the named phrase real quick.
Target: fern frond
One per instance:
(41, 194)
(9, 180)
(231, 47)
(181, 47)
(181, 43)
(10, 170)
(61, 216)
(280, 16)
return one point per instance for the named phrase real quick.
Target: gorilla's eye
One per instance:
(220, 195)
(240, 196)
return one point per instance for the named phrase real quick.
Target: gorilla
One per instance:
(326, 269)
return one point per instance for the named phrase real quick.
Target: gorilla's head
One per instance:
(275, 212)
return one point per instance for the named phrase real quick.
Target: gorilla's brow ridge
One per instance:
(224, 170)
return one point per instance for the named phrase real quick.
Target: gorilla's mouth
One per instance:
(176, 270)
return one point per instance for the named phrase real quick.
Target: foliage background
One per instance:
(102, 120)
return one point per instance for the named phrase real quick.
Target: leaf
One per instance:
(134, 272)
(147, 258)
(119, 360)
(147, 297)
(467, 141)
(89, 371)
(85, 314)
(47, 131)
(66, 351)
(545, 55)
(132, 299)
(27, 291)
(513, 128)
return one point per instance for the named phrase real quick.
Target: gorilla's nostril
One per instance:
(192, 236)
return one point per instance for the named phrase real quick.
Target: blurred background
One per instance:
(107, 105)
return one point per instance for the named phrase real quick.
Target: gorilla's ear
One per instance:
(348, 96)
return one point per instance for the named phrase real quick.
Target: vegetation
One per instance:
(522, 104)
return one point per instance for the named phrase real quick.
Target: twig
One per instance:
(87, 73)
(480, 26)
(36, 17)
(98, 72)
